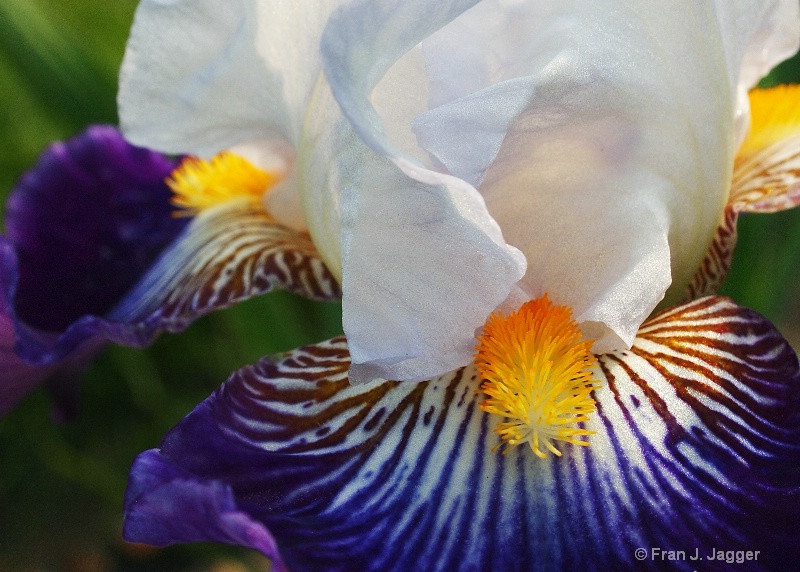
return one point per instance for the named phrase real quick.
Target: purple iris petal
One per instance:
(86, 222)
(16, 377)
(697, 449)
(200, 510)
(95, 255)
(82, 227)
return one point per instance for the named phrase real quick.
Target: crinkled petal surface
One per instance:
(423, 262)
(598, 135)
(199, 77)
(697, 445)
(611, 137)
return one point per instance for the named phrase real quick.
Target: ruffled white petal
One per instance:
(598, 137)
(200, 76)
(423, 262)
(618, 144)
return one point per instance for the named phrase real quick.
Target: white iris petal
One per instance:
(595, 137)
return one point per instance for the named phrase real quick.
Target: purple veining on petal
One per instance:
(676, 472)
(86, 222)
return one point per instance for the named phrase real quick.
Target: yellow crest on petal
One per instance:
(198, 184)
(766, 172)
(537, 374)
(774, 117)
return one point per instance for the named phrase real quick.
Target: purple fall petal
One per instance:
(82, 227)
(195, 510)
(86, 222)
(697, 446)
(17, 378)
(95, 255)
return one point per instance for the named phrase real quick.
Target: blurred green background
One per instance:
(61, 486)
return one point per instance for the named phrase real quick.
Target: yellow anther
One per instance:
(199, 184)
(537, 374)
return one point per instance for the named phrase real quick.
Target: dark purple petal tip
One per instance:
(165, 504)
(86, 222)
(82, 226)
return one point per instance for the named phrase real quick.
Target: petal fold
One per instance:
(17, 378)
(94, 254)
(696, 446)
(82, 226)
(601, 102)
(766, 179)
(206, 511)
(423, 263)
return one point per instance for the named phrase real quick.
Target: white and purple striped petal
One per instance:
(93, 253)
(697, 446)
(227, 254)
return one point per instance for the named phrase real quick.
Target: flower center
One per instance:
(198, 184)
(537, 374)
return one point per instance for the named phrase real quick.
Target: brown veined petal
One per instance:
(227, 254)
(696, 445)
(704, 411)
(766, 178)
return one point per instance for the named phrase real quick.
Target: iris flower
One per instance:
(528, 206)
(86, 230)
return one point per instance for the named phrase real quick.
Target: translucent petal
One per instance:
(775, 37)
(423, 263)
(611, 136)
(200, 76)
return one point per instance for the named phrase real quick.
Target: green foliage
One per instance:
(61, 486)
